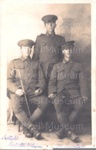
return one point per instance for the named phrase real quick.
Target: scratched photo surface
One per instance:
(22, 20)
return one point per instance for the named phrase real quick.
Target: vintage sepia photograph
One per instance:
(46, 85)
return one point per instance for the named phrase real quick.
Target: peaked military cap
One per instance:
(67, 45)
(26, 42)
(49, 18)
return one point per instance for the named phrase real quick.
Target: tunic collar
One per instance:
(24, 59)
(51, 35)
(64, 61)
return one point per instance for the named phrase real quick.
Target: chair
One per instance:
(16, 120)
(10, 114)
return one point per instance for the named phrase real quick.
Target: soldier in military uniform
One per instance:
(68, 87)
(47, 47)
(33, 84)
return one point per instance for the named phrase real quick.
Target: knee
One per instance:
(57, 105)
(43, 103)
(16, 109)
(16, 105)
(58, 102)
(78, 104)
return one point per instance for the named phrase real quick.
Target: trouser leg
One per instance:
(62, 112)
(36, 115)
(17, 106)
(42, 103)
(77, 106)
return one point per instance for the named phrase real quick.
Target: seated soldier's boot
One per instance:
(35, 132)
(27, 133)
(61, 133)
(73, 137)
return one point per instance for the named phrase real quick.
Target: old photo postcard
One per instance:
(47, 74)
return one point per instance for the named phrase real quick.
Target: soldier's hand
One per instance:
(85, 99)
(52, 96)
(38, 91)
(19, 92)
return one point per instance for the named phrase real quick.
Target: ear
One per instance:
(63, 51)
(20, 49)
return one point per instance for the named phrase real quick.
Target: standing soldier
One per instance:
(26, 83)
(68, 87)
(47, 47)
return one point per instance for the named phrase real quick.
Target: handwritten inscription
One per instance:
(24, 144)
(9, 137)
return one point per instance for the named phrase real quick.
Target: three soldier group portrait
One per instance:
(51, 75)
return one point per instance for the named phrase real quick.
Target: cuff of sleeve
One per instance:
(38, 87)
(52, 92)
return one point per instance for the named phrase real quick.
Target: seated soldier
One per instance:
(26, 83)
(67, 87)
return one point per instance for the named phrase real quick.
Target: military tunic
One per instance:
(70, 76)
(30, 72)
(32, 77)
(47, 51)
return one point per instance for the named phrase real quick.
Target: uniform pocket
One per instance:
(74, 74)
(61, 75)
(20, 67)
(19, 71)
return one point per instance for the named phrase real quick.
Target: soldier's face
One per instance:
(67, 52)
(25, 51)
(50, 26)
